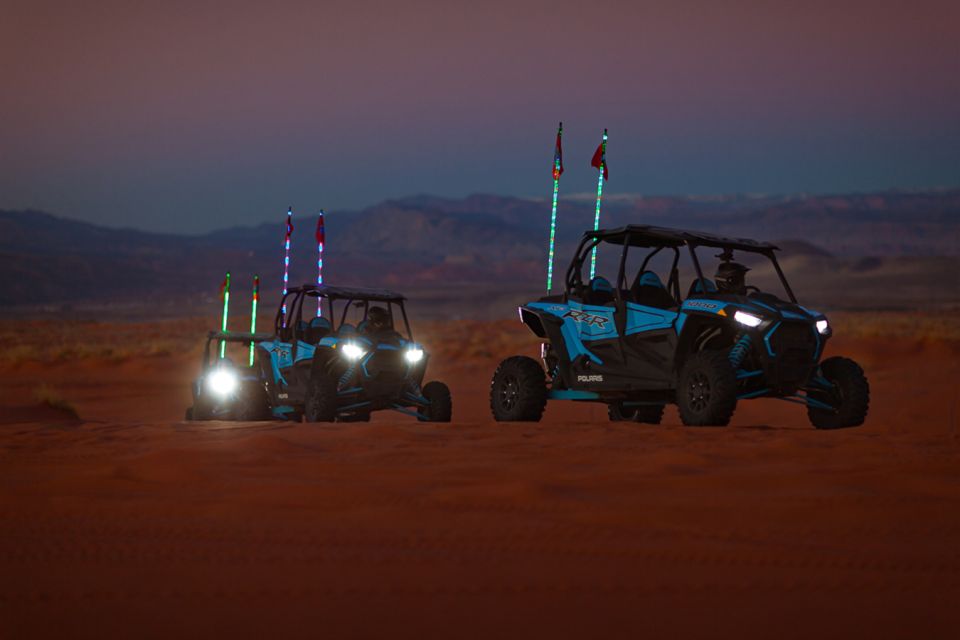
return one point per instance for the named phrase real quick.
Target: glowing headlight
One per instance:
(414, 355)
(747, 318)
(823, 326)
(351, 351)
(222, 382)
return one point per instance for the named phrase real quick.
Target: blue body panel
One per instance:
(281, 353)
(583, 323)
(583, 327)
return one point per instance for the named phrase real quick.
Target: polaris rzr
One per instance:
(340, 365)
(224, 391)
(637, 345)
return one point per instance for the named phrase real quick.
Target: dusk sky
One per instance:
(190, 116)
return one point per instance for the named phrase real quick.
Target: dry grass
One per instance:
(48, 342)
(470, 341)
(919, 327)
(49, 397)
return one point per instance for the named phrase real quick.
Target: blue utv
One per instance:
(338, 366)
(636, 344)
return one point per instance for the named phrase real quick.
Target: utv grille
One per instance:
(788, 336)
(386, 364)
(793, 346)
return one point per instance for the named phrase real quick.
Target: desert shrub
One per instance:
(51, 397)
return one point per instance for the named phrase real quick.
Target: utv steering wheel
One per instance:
(750, 286)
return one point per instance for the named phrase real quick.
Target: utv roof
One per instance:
(350, 293)
(641, 235)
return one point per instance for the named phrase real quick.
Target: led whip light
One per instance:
(253, 312)
(286, 262)
(225, 294)
(557, 172)
(747, 319)
(321, 237)
(600, 162)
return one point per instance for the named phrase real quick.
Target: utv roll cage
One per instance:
(659, 238)
(291, 325)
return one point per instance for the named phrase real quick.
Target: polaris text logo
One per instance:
(700, 304)
(593, 378)
(588, 319)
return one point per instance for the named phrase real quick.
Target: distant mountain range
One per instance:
(447, 248)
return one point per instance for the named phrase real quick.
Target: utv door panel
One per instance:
(641, 318)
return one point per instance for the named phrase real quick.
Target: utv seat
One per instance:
(317, 329)
(696, 288)
(346, 329)
(600, 292)
(649, 291)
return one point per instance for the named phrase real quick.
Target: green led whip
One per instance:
(226, 310)
(253, 312)
(557, 171)
(600, 162)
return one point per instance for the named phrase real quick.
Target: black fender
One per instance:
(548, 327)
(700, 331)
(326, 360)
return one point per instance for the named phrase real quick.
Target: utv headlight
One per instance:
(823, 326)
(747, 319)
(222, 382)
(414, 355)
(351, 351)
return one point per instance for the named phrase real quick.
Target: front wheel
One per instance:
(440, 404)
(645, 413)
(518, 391)
(321, 402)
(707, 390)
(849, 394)
(251, 405)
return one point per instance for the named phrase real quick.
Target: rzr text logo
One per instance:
(588, 319)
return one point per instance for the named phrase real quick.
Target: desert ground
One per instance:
(119, 519)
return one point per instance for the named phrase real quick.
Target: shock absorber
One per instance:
(739, 350)
(345, 378)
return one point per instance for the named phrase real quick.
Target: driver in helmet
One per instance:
(378, 320)
(731, 277)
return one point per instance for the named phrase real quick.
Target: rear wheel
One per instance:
(850, 395)
(321, 400)
(645, 413)
(707, 390)
(518, 392)
(440, 404)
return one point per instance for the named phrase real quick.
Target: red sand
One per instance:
(135, 524)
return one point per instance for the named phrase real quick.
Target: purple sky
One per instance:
(187, 116)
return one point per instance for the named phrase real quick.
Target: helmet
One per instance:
(379, 318)
(731, 277)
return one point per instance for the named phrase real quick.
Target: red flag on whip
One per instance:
(224, 285)
(600, 157)
(321, 236)
(558, 155)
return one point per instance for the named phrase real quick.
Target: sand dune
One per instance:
(134, 523)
